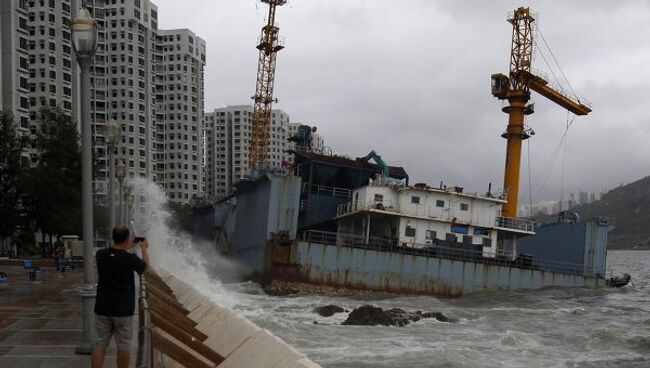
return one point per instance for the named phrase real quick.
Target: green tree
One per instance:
(12, 145)
(54, 184)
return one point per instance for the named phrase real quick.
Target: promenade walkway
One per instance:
(40, 322)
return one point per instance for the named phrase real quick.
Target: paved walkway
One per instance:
(40, 322)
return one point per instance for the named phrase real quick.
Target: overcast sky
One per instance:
(411, 80)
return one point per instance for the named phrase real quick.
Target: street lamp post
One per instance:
(84, 37)
(113, 133)
(125, 204)
(130, 199)
(120, 173)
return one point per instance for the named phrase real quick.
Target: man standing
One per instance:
(115, 303)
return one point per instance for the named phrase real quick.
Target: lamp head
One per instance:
(113, 132)
(120, 169)
(84, 34)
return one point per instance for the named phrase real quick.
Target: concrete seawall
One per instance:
(240, 342)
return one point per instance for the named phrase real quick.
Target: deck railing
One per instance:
(443, 249)
(516, 224)
(322, 190)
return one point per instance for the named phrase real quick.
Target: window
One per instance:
(464, 207)
(379, 197)
(451, 237)
(440, 203)
(409, 231)
(481, 231)
(430, 235)
(467, 239)
(460, 229)
(415, 199)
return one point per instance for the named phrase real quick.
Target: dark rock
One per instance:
(439, 316)
(329, 310)
(369, 315)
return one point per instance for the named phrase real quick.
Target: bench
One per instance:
(31, 269)
(3, 278)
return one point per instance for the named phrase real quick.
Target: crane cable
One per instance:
(547, 169)
(556, 62)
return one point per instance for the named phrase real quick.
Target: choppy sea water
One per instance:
(558, 327)
(575, 327)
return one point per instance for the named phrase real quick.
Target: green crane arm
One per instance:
(382, 165)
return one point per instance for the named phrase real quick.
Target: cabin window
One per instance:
(415, 199)
(379, 197)
(451, 237)
(409, 231)
(481, 231)
(430, 235)
(464, 207)
(440, 203)
(460, 229)
(467, 239)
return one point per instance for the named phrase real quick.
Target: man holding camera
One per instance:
(115, 303)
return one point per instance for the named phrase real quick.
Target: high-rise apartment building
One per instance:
(148, 80)
(181, 111)
(228, 132)
(35, 60)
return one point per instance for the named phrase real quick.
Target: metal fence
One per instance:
(144, 357)
(166, 329)
(322, 190)
(443, 249)
(516, 223)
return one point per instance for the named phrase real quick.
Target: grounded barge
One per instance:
(350, 223)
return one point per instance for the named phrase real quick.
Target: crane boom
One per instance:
(516, 89)
(268, 47)
(541, 86)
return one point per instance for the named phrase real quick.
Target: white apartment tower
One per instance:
(227, 134)
(150, 81)
(36, 60)
(180, 109)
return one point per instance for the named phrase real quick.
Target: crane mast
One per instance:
(516, 89)
(268, 47)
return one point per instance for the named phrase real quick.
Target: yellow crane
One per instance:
(516, 89)
(268, 47)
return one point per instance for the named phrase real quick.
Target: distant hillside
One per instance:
(628, 208)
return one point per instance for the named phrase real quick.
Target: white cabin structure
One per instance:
(421, 216)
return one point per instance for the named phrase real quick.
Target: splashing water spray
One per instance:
(196, 263)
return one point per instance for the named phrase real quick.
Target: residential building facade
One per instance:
(150, 81)
(228, 132)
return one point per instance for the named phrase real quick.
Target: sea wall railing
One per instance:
(443, 249)
(166, 329)
(144, 356)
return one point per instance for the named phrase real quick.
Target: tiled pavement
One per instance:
(40, 322)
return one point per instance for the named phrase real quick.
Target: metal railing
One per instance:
(166, 328)
(322, 190)
(516, 224)
(362, 205)
(144, 357)
(443, 249)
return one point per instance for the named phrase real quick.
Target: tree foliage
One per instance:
(12, 145)
(54, 184)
